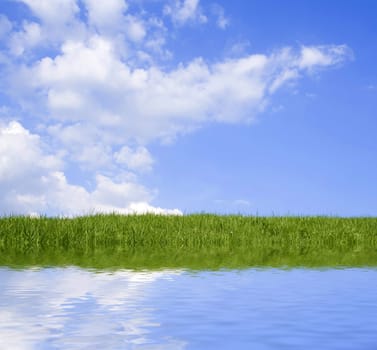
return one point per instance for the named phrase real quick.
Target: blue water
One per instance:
(72, 308)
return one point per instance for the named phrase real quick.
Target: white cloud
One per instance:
(285, 76)
(53, 11)
(135, 29)
(146, 104)
(32, 181)
(138, 159)
(55, 22)
(325, 55)
(238, 49)
(109, 194)
(64, 99)
(182, 11)
(79, 63)
(106, 14)
(221, 20)
(309, 59)
(110, 17)
(22, 152)
(27, 38)
(83, 145)
(5, 26)
(144, 208)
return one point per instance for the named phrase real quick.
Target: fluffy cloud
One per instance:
(325, 55)
(105, 14)
(55, 11)
(136, 159)
(221, 20)
(182, 11)
(90, 83)
(110, 17)
(5, 26)
(32, 181)
(98, 97)
(53, 23)
(27, 38)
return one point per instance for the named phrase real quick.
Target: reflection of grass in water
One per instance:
(193, 241)
(214, 258)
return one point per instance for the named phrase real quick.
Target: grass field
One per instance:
(191, 241)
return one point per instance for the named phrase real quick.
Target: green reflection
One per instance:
(194, 242)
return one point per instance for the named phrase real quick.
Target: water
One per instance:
(73, 308)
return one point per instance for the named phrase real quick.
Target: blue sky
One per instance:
(168, 106)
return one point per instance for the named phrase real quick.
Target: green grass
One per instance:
(201, 241)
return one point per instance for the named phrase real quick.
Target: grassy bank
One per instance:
(193, 241)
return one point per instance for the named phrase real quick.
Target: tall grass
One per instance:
(192, 241)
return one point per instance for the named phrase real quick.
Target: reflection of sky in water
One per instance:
(73, 309)
(264, 309)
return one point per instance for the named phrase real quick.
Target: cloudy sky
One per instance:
(264, 107)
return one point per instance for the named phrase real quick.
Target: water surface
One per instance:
(74, 308)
